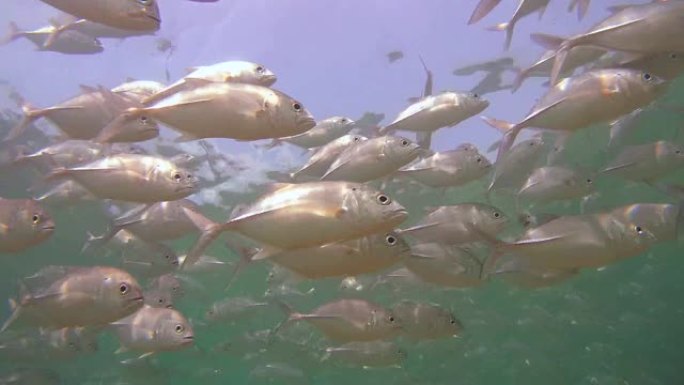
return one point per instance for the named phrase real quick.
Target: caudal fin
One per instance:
(210, 230)
(561, 55)
(484, 7)
(508, 28)
(547, 41)
(13, 34)
(510, 131)
(31, 114)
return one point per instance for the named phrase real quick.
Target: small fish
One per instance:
(348, 320)
(158, 298)
(448, 168)
(644, 28)
(325, 131)
(372, 159)
(151, 330)
(492, 66)
(394, 56)
(433, 112)
(63, 344)
(593, 97)
(225, 72)
(231, 309)
(76, 296)
(225, 110)
(321, 160)
(67, 42)
(646, 162)
(425, 321)
(132, 178)
(458, 224)
(515, 271)
(168, 283)
(525, 8)
(447, 266)
(372, 354)
(137, 15)
(23, 223)
(284, 217)
(553, 183)
(582, 7)
(68, 153)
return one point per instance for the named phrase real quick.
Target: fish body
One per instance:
(321, 160)
(448, 168)
(525, 8)
(160, 221)
(132, 178)
(151, 330)
(323, 133)
(372, 159)
(23, 223)
(443, 265)
(425, 321)
(553, 183)
(646, 162)
(138, 15)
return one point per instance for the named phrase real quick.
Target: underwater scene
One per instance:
(293, 192)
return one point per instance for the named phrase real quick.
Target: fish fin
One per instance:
(122, 349)
(494, 146)
(558, 62)
(14, 34)
(508, 29)
(424, 139)
(210, 230)
(265, 253)
(196, 82)
(31, 114)
(510, 133)
(427, 90)
(54, 35)
(16, 311)
(582, 9)
(115, 126)
(246, 256)
(619, 166)
(618, 8)
(419, 227)
(551, 42)
(483, 8)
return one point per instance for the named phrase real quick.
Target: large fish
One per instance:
(646, 28)
(295, 216)
(60, 296)
(152, 330)
(132, 178)
(225, 110)
(577, 102)
(553, 183)
(321, 160)
(68, 42)
(139, 15)
(225, 72)
(23, 223)
(448, 168)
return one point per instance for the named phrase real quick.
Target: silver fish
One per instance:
(443, 265)
(151, 330)
(553, 183)
(525, 8)
(425, 321)
(323, 133)
(646, 162)
(321, 160)
(68, 42)
(372, 159)
(448, 168)
(139, 15)
(23, 223)
(372, 354)
(593, 97)
(514, 167)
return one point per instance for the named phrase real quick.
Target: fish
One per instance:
(231, 309)
(580, 241)
(394, 56)
(235, 71)
(131, 178)
(237, 111)
(665, 65)
(446, 109)
(644, 28)
(24, 223)
(101, 31)
(554, 183)
(137, 15)
(64, 154)
(151, 330)
(53, 345)
(325, 131)
(525, 8)
(359, 256)
(646, 162)
(372, 354)
(66, 296)
(448, 168)
(582, 7)
(158, 298)
(86, 116)
(347, 320)
(66, 42)
(661, 219)
(426, 321)
(577, 102)
(283, 217)
(320, 161)
(492, 66)
(372, 159)
(516, 272)
(138, 90)
(448, 266)
(65, 194)
(453, 225)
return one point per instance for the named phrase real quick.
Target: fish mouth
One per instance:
(188, 340)
(269, 80)
(306, 122)
(137, 299)
(49, 228)
(399, 215)
(156, 19)
(186, 188)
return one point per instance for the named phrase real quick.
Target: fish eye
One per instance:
(496, 214)
(35, 218)
(179, 328)
(391, 319)
(590, 181)
(673, 56)
(260, 69)
(123, 289)
(639, 230)
(476, 96)
(384, 199)
(297, 107)
(143, 119)
(343, 120)
(479, 160)
(647, 76)
(161, 300)
(452, 321)
(177, 176)
(391, 240)
(678, 152)
(356, 138)
(404, 142)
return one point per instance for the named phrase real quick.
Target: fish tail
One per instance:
(583, 7)
(561, 55)
(246, 255)
(31, 114)
(505, 27)
(95, 242)
(210, 230)
(14, 34)
(483, 8)
(16, 310)
(520, 76)
(510, 131)
(292, 316)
